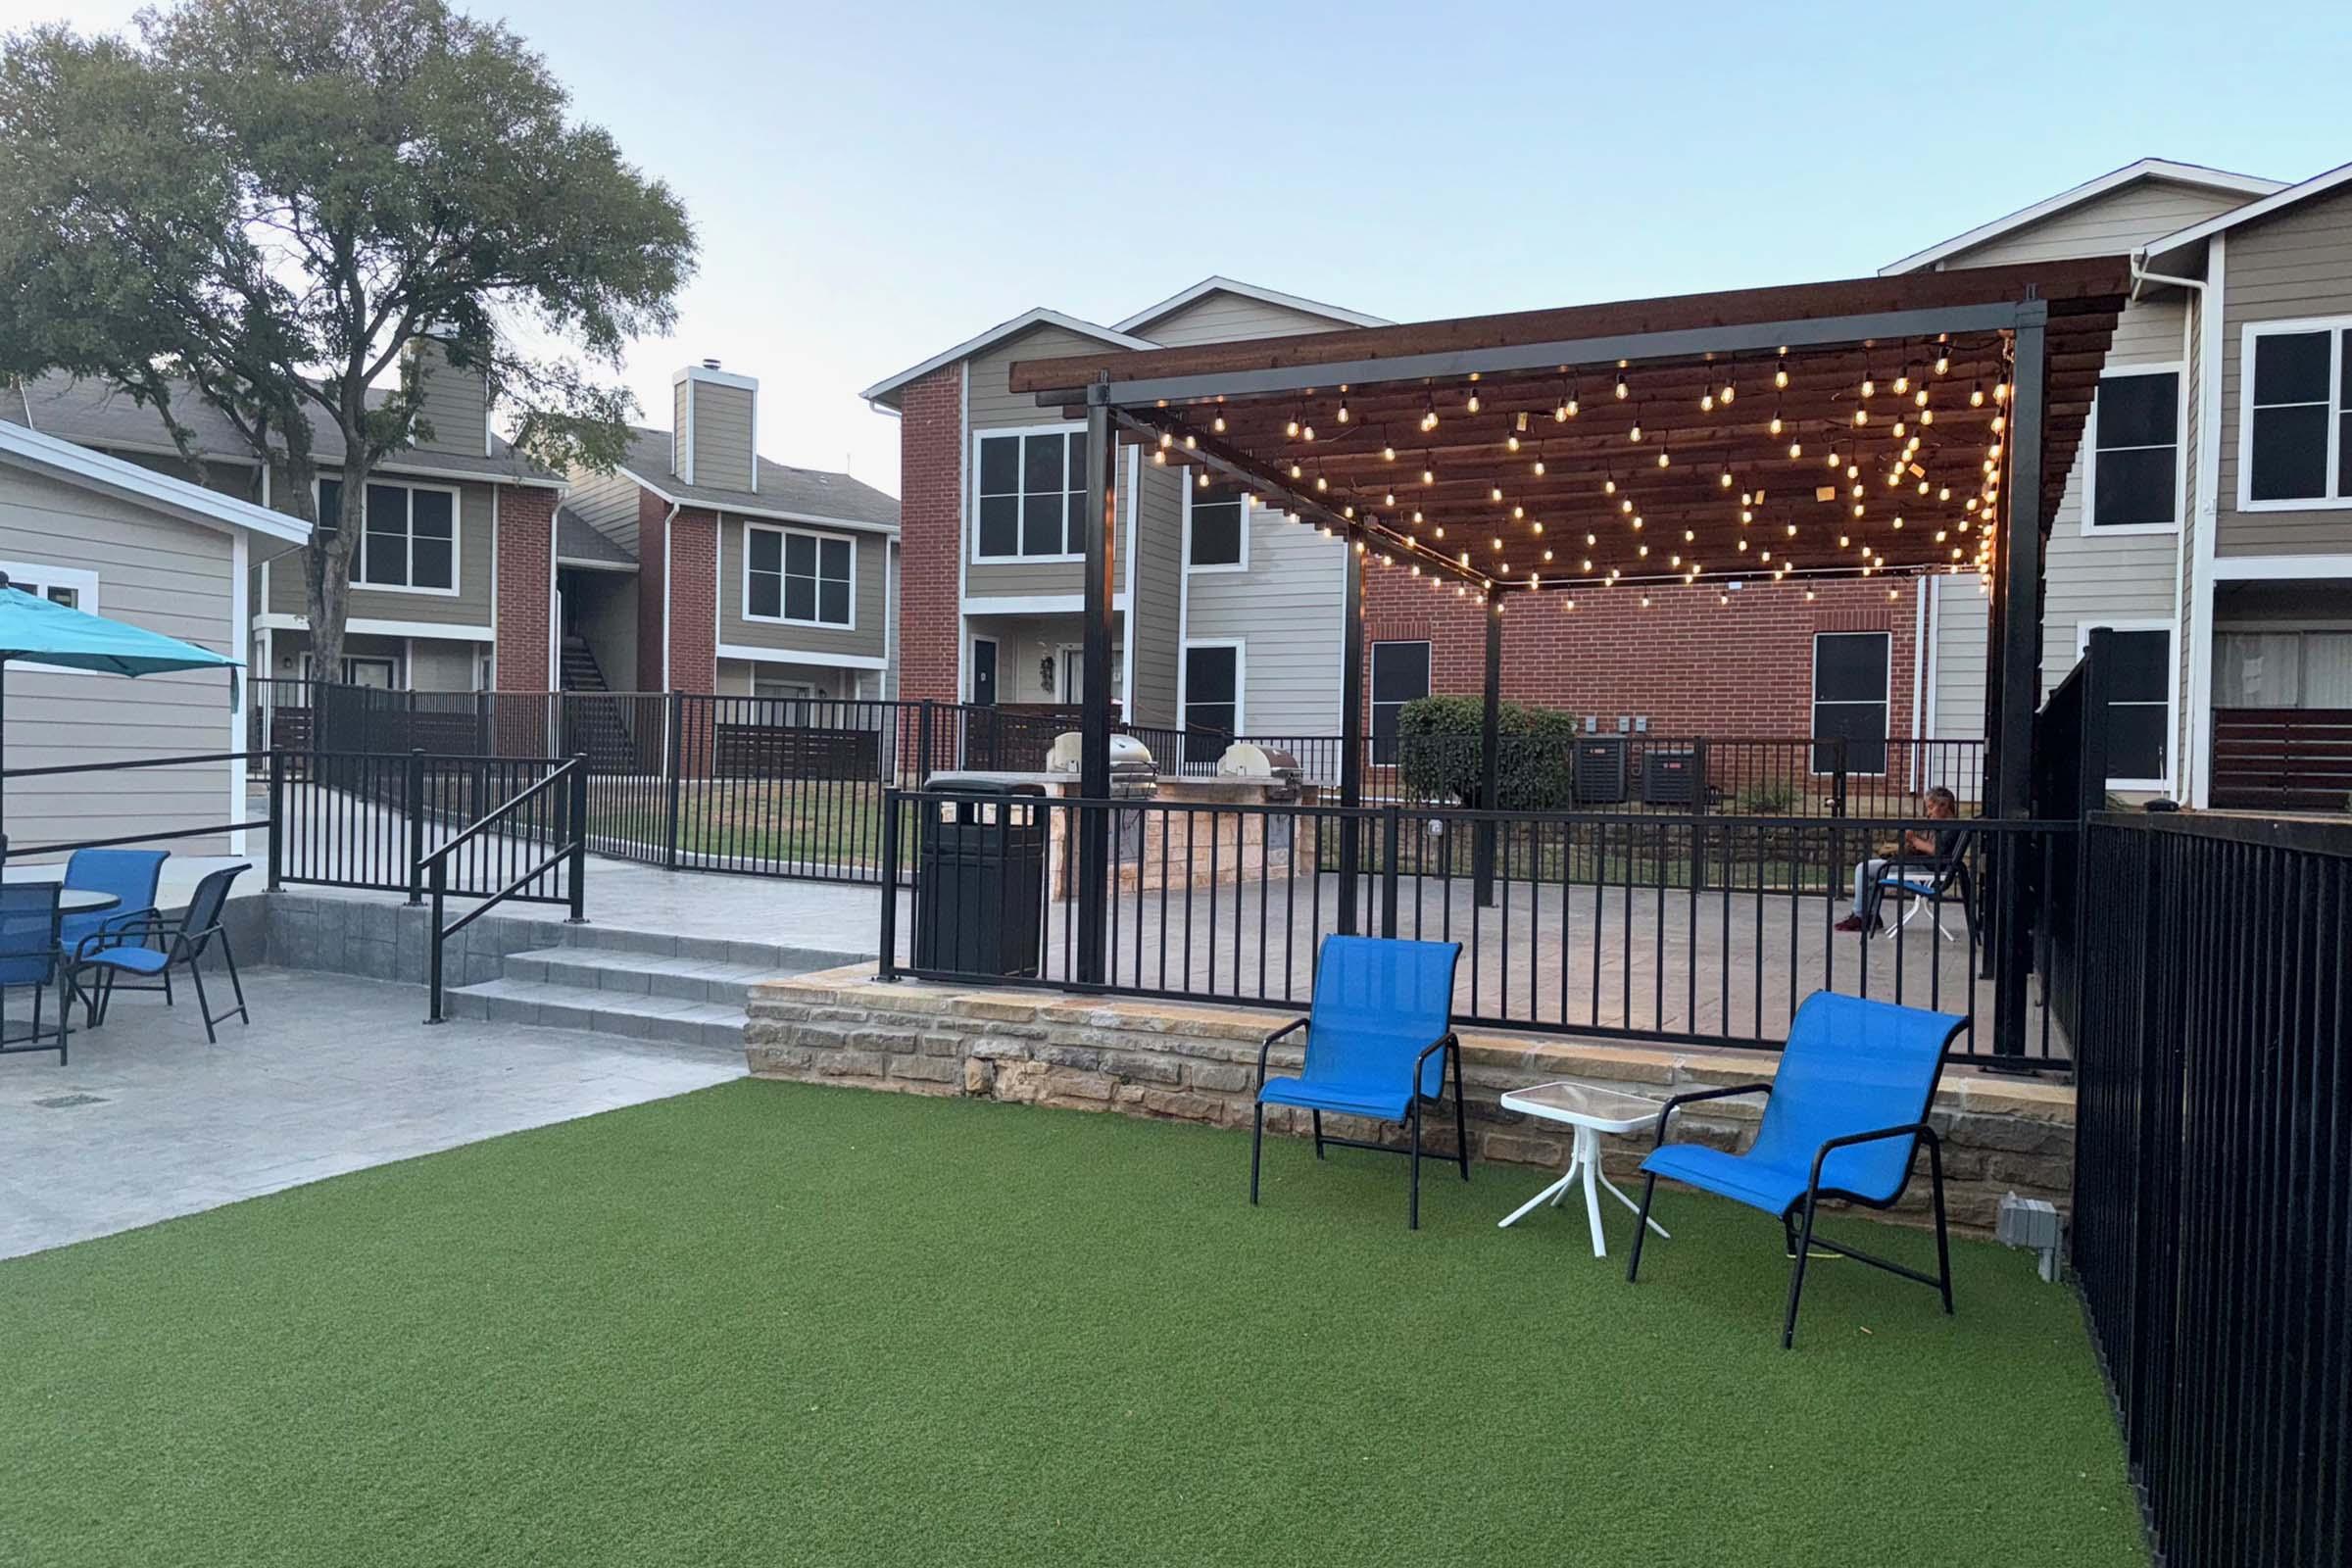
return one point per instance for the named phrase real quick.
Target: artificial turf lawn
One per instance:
(776, 1323)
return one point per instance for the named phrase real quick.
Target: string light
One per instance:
(1292, 429)
(1472, 403)
(1341, 415)
(1780, 374)
(1219, 423)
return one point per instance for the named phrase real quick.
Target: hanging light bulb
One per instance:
(1342, 416)
(1219, 423)
(1775, 427)
(1706, 402)
(1729, 391)
(1202, 479)
(1861, 416)
(1780, 374)
(1796, 449)
(1919, 397)
(1870, 384)
(1608, 486)
(1621, 389)
(1976, 396)
(2000, 391)
(1663, 458)
(1539, 466)
(1902, 382)
(1926, 415)
(1471, 403)
(1943, 361)
(1292, 429)
(1511, 441)
(1724, 478)
(1494, 493)
(1307, 433)
(1387, 453)
(1636, 433)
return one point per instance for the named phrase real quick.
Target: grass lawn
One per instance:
(783, 1324)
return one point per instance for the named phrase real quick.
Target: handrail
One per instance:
(574, 773)
(499, 815)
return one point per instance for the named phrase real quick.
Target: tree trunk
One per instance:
(327, 564)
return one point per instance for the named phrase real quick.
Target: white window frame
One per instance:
(1241, 680)
(1813, 695)
(37, 580)
(358, 552)
(2335, 326)
(743, 585)
(2172, 690)
(1192, 489)
(2090, 449)
(972, 518)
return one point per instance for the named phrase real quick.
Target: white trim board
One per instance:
(783, 536)
(2275, 568)
(739, 509)
(2277, 199)
(2050, 206)
(2334, 327)
(983, 605)
(1040, 315)
(1020, 432)
(367, 628)
(791, 656)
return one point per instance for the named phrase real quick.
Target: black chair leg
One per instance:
(1796, 1274)
(1318, 1120)
(203, 1004)
(1461, 1130)
(1257, 1138)
(236, 986)
(1943, 1250)
(1413, 1214)
(1789, 1233)
(64, 1015)
(1632, 1264)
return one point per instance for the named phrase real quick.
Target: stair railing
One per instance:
(571, 852)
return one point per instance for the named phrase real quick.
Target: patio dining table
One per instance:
(70, 901)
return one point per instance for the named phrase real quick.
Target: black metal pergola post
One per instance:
(1352, 733)
(1093, 824)
(2020, 655)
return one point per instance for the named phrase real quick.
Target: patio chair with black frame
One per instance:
(151, 946)
(1927, 882)
(131, 876)
(29, 958)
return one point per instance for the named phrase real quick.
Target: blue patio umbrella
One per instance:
(34, 630)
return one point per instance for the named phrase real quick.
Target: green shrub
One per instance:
(1439, 754)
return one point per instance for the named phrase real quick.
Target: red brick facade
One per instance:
(526, 559)
(930, 532)
(1691, 663)
(687, 546)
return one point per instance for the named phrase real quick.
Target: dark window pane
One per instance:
(1863, 728)
(836, 559)
(1041, 524)
(431, 514)
(1076, 479)
(766, 550)
(388, 508)
(1217, 533)
(1000, 464)
(2290, 368)
(433, 563)
(1850, 668)
(1077, 535)
(2291, 454)
(800, 554)
(1209, 675)
(1400, 671)
(1209, 716)
(800, 599)
(1000, 525)
(2343, 451)
(1040, 466)
(2137, 667)
(2135, 487)
(2135, 735)
(2139, 411)
(330, 503)
(385, 560)
(767, 595)
(833, 602)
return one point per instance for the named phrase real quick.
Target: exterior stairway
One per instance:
(597, 722)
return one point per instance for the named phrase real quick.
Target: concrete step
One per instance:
(635, 1015)
(772, 959)
(632, 973)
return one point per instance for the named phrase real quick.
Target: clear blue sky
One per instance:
(874, 184)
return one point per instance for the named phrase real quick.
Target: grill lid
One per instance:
(1127, 755)
(1249, 759)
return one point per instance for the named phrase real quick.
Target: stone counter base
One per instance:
(1193, 1062)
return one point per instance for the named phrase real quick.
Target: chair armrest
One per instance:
(1291, 1028)
(1680, 1101)
(1916, 1129)
(115, 933)
(1448, 1040)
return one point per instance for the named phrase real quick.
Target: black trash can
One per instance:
(980, 877)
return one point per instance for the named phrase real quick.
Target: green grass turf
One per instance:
(774, 1323)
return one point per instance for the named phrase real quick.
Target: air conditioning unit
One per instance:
(1669, 778)
(1601, 771)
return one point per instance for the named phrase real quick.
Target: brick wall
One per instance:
(1693, 665)
(930, 532)
(686, 548)
(526, 544)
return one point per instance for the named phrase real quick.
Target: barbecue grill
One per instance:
(1250, 760)
(1133, 774)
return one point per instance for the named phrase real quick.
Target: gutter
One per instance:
(668, 523)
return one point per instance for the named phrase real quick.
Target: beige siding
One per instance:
(991, 407)
(2299, 264)
(2111, 225)
(607, 503)
(722, 436)
(1286, 610)
(679, 393)
(869, 594)
(1963, 615)
(456, 405)
(2094, 580)
(468, 606)
(1222, 318)
(156, 571)
(1024, 642)
(1156, 594)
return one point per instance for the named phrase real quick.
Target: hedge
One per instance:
(1439, 743)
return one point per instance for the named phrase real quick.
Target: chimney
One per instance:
(456, 403)
(714, 427)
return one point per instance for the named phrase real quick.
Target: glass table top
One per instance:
(1609, 1109)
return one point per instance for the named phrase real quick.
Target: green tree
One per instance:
(261, 204)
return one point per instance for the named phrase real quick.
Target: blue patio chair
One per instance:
(1848, 1113)
(130, 875)
(29, 958)
(150, 947)
(1378, 1041)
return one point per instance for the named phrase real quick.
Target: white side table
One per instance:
(1590, 1111)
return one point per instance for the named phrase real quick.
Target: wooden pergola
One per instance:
(1886, 425)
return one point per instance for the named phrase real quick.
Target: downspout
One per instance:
(668, 524)
(2187, 757)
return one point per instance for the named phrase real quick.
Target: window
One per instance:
(1032, 494)
(1213, 687)
(2282, 670)
(2138, 682)
(1219, 528)
(375, 671)
(2135, 461)
(409, 537)
(803, 578)
(1849, 699)
(75, 587)
(2293, 447)
(1399, 675)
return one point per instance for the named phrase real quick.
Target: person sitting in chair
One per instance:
(1919, 844)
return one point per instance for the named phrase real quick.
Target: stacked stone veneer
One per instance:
(1199, 1063)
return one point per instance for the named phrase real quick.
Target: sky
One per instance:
(872, 184)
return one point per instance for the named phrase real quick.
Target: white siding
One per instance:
(1222, 318)
(2110, 226)
(155, 571)
(1285, 607)
(1963, 624)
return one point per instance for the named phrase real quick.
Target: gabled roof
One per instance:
(2252, 212)
(1142, 321)
(2089, 190)
(787, 493)
(881, 391)
(95, 470)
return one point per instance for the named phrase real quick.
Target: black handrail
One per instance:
(574, 773)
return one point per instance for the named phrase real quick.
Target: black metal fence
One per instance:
(2213, 1197)
(372, 819)
(1702, 930)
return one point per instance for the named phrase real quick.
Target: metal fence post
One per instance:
(577, 808)
(278, 818)
(1838, 797)
(922, 748)
(412, 802)
(890, 884)
(1387, 869)
(440, 886)
(1698, 809)
(671, 766)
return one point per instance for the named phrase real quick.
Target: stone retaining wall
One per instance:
(1199, 1063)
